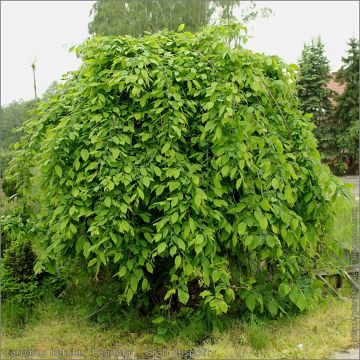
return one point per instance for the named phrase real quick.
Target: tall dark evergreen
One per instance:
(347, 112)
(313, 93)
(314, 76)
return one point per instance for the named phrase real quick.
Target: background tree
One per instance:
(12, 116)
(347, 111)
(124, 17)
(314, 96)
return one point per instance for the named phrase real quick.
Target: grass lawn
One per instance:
(312, 335)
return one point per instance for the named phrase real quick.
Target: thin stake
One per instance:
(33, 66)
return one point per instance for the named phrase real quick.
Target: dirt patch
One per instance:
(348, 354)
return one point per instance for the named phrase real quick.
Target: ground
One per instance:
(354, 180)
(349, 354)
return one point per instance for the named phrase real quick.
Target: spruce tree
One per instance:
(314, 96)
(347, 112)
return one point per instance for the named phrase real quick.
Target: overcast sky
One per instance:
(44, 30)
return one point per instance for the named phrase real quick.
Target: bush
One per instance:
(182, 166)
(19, 283)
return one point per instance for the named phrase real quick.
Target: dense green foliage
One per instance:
(123, 17)
(19, 283)
(182, 167)
(347, 112)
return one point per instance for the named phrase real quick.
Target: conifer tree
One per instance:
(347, 112)
(314, 75)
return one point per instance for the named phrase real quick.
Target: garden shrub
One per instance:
(19, 283)
(182, 166)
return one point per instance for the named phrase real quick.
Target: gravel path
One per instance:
(348, 354)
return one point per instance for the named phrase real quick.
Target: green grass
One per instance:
(54, 325)
(343, 220)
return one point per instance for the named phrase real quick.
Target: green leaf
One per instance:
(115, 152)
(288, 194)
(38, 267)
(275, 183)
(284, 289)
(58, 171)
(242, 228)
(160, 189)
(215, 275)
(133, 283)
(261, 219)
(250, 302)
(221, 307)
(158, 320)
(84, 154)
(198, 200)
(173, 185)
(149, 268)
(209, 105)
(146, 182)
(271, 241)
(92, 262)
(255, 85)
(161, 248)
(264, 203)
(101, 97)
(199, 239)
(122, 272)
(181, 244)
(144, 284)
(174, 217)
(181, 27)
(141, 193)
(177, 130)
(166, 147)
(183, 296)
(102, 258)
(272, 306)
(177, 261)
(107, 202)
(301, 301)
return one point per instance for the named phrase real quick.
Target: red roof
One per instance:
(335, 86)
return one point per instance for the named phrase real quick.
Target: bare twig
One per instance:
(101, 309)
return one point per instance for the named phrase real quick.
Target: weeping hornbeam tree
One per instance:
(182, 167)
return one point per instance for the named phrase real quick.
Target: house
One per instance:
(335, 86)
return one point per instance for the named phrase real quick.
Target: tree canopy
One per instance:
(12, 116)
(314, 76)
(135, 17)
(347, 112)
(315, 97)
(184, 168)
